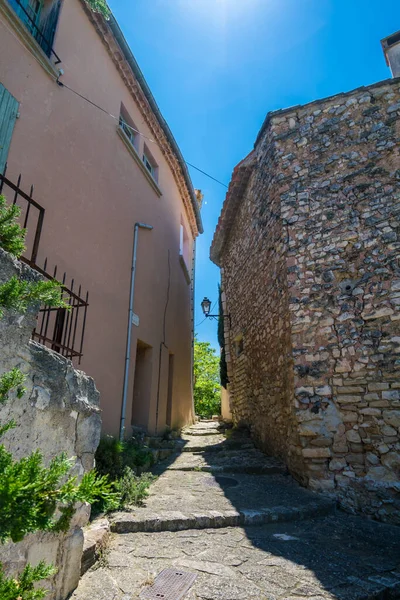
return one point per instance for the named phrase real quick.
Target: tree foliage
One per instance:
(207, 389)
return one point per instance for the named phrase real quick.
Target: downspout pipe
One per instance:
(129, 331)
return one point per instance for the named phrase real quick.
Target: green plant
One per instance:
(109, 457)
(207, 389)
(30, 493)
(10, 380)
(18, 295)
(100, 6)
(23, 587)
(12, 235)
(133, 489)
(113, 456)
(223, 367)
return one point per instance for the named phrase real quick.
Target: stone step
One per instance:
(95, 537)
(201, 432)
(337, 557)
(189, 499)
(179, 521)
(210, 445)
(243, 461)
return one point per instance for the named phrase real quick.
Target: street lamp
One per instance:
(206, 307)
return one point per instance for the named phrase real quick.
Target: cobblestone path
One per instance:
(234, 517)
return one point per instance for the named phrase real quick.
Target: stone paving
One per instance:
(245, 535)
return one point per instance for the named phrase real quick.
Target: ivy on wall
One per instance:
(223, 367)
(99, 6)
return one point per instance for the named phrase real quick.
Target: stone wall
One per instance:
(254, 283)
(58, 413)
(312, 277)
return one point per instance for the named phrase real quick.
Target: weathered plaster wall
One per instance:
(328, 178)
(58, 413)
(94, 192)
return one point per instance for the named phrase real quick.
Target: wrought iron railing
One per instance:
(60, 329)
(45, 42)
(31, 212)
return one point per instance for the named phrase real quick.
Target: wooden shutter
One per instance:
(8, 114)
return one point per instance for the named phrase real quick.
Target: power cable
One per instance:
(61, 84)
(64, 85)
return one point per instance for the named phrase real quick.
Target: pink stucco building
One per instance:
(96, 176)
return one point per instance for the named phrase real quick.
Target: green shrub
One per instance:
(22, 588)
(12, 235)
(133, 489)
(113, 456)
(108, 457)
(30, 493)
(18, 295)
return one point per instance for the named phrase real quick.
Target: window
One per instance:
(8, 115)
(150, 163)
(128, 127)
(238, 345)
(40, 17)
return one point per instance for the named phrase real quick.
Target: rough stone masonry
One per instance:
(58, 413)
(308, 244)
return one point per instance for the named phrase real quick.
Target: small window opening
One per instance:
(128, 127)
(238, 345)
(150, 163)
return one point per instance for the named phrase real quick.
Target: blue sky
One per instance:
(216, 67)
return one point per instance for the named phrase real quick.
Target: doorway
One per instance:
(168, 419)
(142, 385)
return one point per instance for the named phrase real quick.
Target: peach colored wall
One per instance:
(93, 193)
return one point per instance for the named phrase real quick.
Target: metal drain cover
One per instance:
(170, 584)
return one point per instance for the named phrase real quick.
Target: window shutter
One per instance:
(8, 114)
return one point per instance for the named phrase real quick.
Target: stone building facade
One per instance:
(308, 245)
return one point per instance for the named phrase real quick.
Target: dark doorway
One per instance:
(142, 385)
(168, 419)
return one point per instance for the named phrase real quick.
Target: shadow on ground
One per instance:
(234, 516)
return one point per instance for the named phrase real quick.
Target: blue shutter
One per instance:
(8, 114)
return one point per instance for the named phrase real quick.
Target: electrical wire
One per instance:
(64, 85)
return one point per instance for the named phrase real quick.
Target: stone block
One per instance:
(392, 417)
(316, 452)
(353, 436)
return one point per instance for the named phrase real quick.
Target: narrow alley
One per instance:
(234, 518)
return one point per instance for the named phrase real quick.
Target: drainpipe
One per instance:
(129, 334)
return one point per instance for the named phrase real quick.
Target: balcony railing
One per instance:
(57, 328)
(43, 32)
